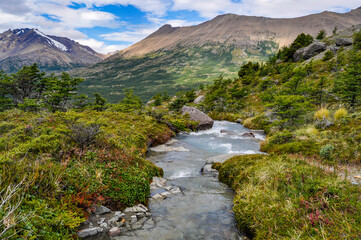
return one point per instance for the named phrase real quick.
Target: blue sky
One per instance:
(110, 25)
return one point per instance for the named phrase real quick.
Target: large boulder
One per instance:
(205, 122)
(342, 42)
(310, 51)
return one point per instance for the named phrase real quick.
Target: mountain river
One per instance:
(204, 208)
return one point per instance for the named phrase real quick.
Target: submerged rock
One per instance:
(261, 132)
(248, 134)
(166, 148)
(205, 122)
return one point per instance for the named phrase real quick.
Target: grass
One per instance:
(322, 113)
(278, 197)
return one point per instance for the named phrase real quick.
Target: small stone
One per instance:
(104, 225)
(101, 221)
(248, 134)
(119, 214)
(102, 210)
(157, 197)
(89, 232)
(148, 214)
(140, 215)
(166, 194)
(145, 209)
(176, 190)
(239, 120)
(168, 188)
(113, 220)
(208, 169)
(133, 219)
(114, 231)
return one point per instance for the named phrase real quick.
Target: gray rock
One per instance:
(334, 49)
(199, 99)
(208, 169)
(166, 194)
(175, 190)
(113, 220)
(221, 158)
(239, 120)
(158, 182)
(310, 51)
(119, 214)
(101, 221)
(258, 132)
(104, 225)
(342, 42)
(133, 218)
(205, 122)
(101, 210)
(89, 232)
(148, 214)
(114, 231)
(140, 215)
(229, 132)
(166, 148)
(248, 134)
(158, 197)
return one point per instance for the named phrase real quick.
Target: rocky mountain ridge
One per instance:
(243, 31)
(26, 46)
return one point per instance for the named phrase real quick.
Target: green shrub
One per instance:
(327, 151)
(328, 55)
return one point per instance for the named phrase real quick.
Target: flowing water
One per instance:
(204, 210)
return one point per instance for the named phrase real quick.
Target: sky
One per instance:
(111, 25)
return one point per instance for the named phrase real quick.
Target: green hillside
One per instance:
(174, 70)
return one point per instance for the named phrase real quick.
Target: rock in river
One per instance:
(205, 122)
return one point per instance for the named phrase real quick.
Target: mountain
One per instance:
(179, 58)
(26, 46)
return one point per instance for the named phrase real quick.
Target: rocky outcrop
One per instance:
(205, 122)
(310, 51)
(342, 42)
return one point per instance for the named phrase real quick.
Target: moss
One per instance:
(278, 197)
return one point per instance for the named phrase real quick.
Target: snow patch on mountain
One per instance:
(52, 41)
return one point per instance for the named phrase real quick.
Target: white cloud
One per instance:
(68, 21)
(101, 46)
(268, 8)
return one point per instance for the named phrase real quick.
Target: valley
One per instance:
(252, 131)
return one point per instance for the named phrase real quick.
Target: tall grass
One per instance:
(322, 114)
